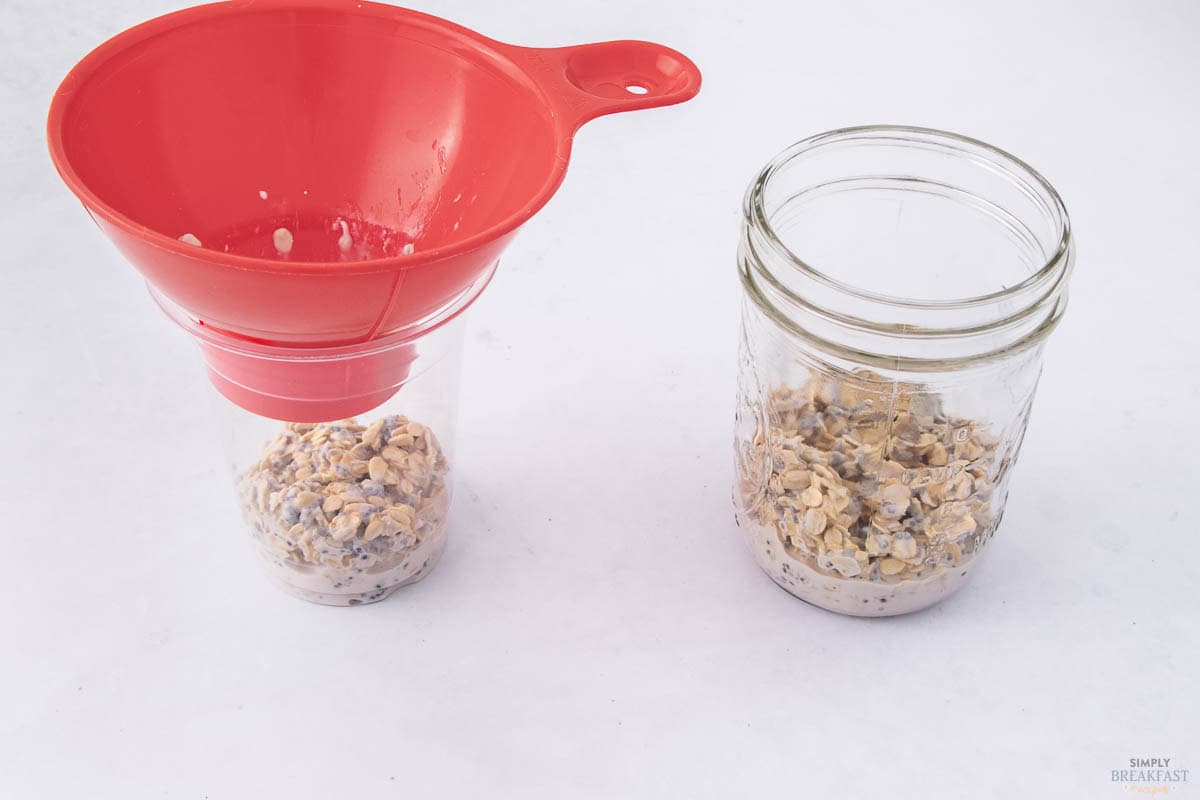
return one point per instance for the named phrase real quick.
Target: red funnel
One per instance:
(398, 152)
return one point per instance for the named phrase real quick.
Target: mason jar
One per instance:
(341, 456)
(899, 287)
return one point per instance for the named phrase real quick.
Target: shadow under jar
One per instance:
(899, 286)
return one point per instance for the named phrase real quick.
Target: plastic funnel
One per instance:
(300, 384)
(399, 151)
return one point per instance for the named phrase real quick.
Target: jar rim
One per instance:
(882, 361)
(1013, 168)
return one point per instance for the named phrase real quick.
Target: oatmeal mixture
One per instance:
(346, 513)
(283, 240)
(869, 498)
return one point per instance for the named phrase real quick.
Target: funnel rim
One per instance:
(233, 343)
(87, 66)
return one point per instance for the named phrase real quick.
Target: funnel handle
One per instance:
(589, 80)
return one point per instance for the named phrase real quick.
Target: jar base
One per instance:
(358, 589)
(856, 598)
(373, 595)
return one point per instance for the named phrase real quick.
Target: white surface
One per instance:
(597, 628)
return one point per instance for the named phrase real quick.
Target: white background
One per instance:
(596, 628)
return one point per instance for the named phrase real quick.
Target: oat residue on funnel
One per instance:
(262, 194)
(345, 241)
(283, 241)
(190, 238)
(408, 249)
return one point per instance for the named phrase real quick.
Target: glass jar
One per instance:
(340, 455)
(899, 286)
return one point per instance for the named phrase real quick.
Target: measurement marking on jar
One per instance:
(924, 476)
